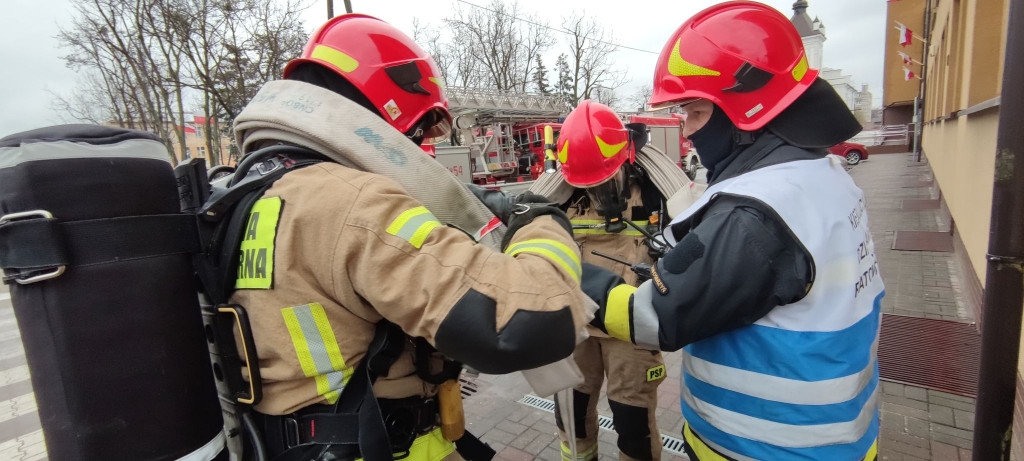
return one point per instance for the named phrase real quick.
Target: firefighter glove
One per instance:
(502, 204)
(596, 283)
(524, 212)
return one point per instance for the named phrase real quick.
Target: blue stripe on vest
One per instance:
(801, 355)
(786, 413)
(760, 450)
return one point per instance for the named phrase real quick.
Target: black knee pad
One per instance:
(580, 402)
(634, 433)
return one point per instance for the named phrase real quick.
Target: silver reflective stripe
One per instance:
(61, 150)
(563, 255)
(413, 224)
(318, 347)
(780, 434)
(768, 387)
(645, 318)
(209, 451)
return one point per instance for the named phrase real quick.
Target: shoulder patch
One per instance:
(256, 253)
(662, 288)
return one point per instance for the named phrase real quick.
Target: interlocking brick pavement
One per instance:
(917, 423)
(20, 435)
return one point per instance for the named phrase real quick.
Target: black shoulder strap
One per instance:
(223, 216)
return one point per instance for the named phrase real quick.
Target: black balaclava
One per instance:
(714, 141)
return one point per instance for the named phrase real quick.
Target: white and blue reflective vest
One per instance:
(802, 381)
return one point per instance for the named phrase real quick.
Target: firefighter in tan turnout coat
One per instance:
(593, 148)
(339, 250)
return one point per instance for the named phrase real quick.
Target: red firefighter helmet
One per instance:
(593, 144)
(745, 57)
(396, 75)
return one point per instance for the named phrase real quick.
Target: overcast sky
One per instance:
(33, 67)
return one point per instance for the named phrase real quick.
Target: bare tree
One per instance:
(638, 101)
(589, 58)
(606, 96)
(110, 37)
(505, 48)
(143, 57)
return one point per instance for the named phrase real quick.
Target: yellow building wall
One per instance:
(962, 154)
(965, 68)
(895, 88)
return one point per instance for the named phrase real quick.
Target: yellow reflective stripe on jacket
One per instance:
(431, 446)
(872, 452)
(256, 261)
(706, 453)
(414, 225)
(701, 449)
(616, 312)
(587, 455)
(553, 250)
(317, 349)
(596, 227)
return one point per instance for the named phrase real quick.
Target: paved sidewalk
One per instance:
(916, 423)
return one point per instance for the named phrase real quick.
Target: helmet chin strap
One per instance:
(415, 135)
(745, 138)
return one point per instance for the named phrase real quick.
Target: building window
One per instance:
(188, 153)
(201, 151)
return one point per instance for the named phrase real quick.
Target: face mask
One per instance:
(609, 199)
(714, 141)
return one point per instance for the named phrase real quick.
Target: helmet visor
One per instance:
(672, 103)
(609, 197)
(436, 125)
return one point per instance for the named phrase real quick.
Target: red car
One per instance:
(852, 152)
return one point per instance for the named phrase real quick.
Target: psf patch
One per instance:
(392, 109)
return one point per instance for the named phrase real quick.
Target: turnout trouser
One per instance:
(633, 379)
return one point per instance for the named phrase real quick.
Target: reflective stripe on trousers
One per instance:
(588, 455)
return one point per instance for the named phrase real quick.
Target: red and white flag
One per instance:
(906, 35)
(905, 57)
(908, 74)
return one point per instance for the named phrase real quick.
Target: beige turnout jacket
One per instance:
(329, 251)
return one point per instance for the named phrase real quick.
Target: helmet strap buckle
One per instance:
(743, 138)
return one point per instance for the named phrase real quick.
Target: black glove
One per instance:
(596, 282)
(517, 211)
(502, 204)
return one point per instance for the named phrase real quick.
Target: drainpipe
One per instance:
(1004, 280)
